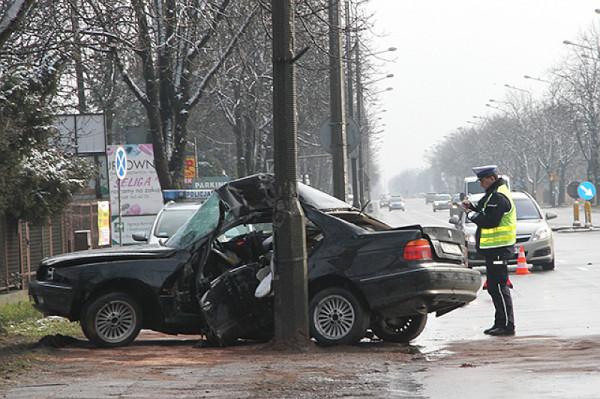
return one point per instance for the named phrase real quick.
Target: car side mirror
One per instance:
(139, 237)
(454, 219)
(462, 196)
(551, 215)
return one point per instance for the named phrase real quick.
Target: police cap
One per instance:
(484, 171)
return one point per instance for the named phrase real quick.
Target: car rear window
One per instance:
(171, 220)
(526, 209)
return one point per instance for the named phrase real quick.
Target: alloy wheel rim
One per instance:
(334, 317)
(115, 321)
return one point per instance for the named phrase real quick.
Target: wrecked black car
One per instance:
(212, 277)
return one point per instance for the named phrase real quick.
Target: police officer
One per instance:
(496, 220)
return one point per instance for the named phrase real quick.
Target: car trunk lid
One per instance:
(447, 243)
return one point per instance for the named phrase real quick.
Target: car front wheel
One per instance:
(337, 317)
(548, 265)
(402, 329)
(112, 320)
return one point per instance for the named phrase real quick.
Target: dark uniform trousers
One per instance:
(497, 277)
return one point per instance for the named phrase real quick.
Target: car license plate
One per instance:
(452, 249)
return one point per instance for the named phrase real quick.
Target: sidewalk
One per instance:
(563, 223)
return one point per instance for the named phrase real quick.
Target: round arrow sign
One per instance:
(121, 162)
(586, 190)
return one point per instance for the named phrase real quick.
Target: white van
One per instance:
(472, 186)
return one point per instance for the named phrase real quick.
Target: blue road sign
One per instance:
(121, 162)
(586, 190)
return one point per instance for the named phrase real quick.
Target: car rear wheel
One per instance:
(337, 317)
(402, 329)
(112, 320)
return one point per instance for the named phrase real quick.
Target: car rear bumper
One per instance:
(52, 299)
(426, 288)
(536, 252)
(395, 207)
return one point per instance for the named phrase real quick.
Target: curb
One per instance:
(571, 229)
(14, 297)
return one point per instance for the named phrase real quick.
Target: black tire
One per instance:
(337, 317)
(433, 209)
(111, 320)
(548, 266)
(403, 329)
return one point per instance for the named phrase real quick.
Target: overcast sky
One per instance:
(455, 55)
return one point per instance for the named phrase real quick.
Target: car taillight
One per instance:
(417, 250)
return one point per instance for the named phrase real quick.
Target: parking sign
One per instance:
(121, 163)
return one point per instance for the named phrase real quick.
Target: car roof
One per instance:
(520, 194)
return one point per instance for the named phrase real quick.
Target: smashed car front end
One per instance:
(64, 282)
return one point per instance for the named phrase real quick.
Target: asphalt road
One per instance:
(553, 309)
(554, 354)
(554, 302)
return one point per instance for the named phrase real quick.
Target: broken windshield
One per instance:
(204, 221)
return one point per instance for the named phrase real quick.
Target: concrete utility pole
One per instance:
(359, 112)
(336, 103)
(349, 99)
(291, 292)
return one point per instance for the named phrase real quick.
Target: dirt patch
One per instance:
(164, 366)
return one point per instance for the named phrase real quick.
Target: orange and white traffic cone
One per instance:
(522, 262)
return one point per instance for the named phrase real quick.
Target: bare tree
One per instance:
(168, 54)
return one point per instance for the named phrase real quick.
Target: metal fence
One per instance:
(23, 245)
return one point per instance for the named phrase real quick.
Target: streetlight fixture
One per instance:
(389, 75)
(534, 78)
(388, 50)
(516, 88)
(499, 109)
(570, 43)
(381, 91)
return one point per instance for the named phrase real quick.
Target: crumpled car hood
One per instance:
(108, 254)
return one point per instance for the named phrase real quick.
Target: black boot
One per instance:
(487, 330)
(503, 331)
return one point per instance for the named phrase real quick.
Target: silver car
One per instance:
(396, 202)
(533, 232)
(170, 218)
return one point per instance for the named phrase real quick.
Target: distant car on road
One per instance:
(384, 200)
(396, 202)
(455, 205)
(429, 197)
(442, 201)
(533, 232)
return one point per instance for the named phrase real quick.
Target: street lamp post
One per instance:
(336, 103)
(363, 136)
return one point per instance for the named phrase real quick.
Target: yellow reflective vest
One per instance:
(506, 233)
